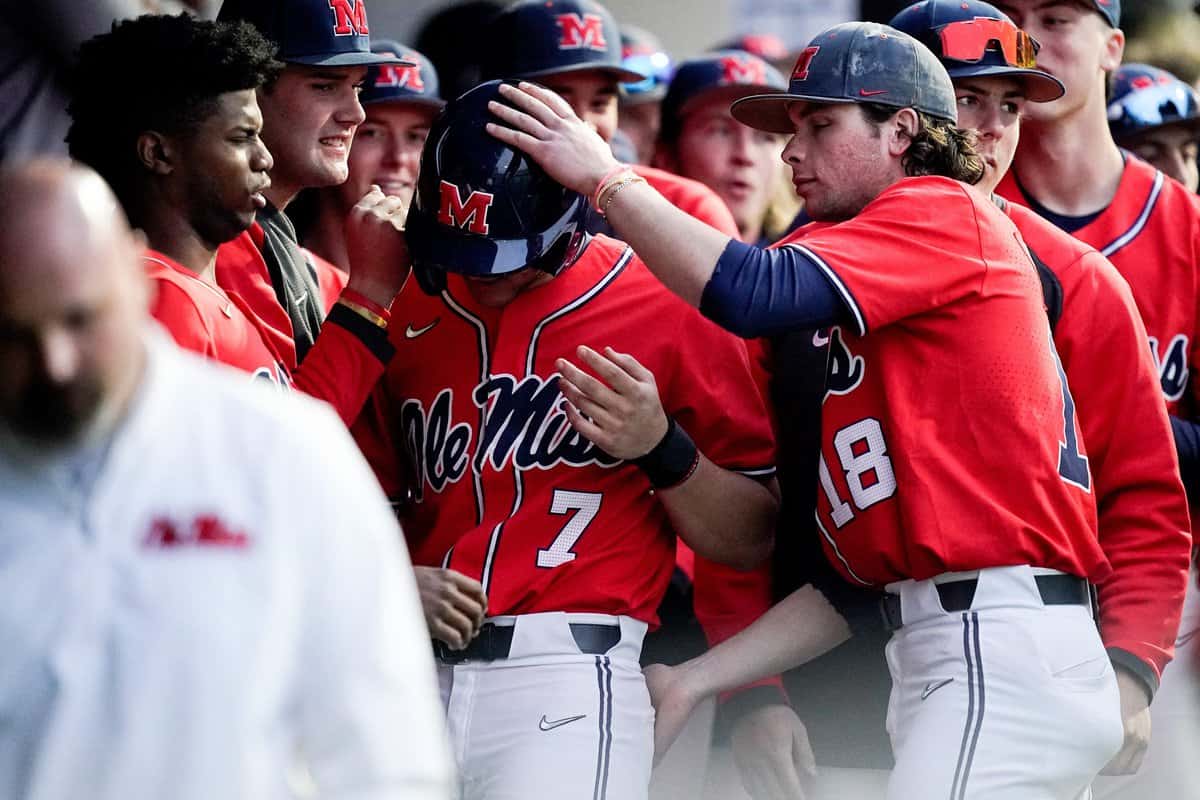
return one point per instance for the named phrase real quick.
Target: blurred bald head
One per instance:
(73, 303)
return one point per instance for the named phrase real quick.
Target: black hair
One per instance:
(939, 147)
(161, 73)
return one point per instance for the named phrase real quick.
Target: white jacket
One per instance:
(225, 593)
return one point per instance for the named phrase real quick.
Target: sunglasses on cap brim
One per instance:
(969, 40)
(655, 66)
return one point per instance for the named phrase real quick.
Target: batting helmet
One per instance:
(326, 33)
(975, 39)
(399, 82)
(857, 62)
(1145, 98)
(727, 75)
(535, 38)
(482, 208)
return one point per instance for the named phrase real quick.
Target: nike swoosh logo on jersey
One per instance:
(547, 725)
(930, 688)
(820, 338)
(411, 333)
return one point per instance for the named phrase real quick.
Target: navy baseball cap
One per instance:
(764, 45)
(1110, 10)
(411, 79)
(322, 33)
(1145, 98)
(975, 39)
(535, 38)
(857, 62)
(727, 75)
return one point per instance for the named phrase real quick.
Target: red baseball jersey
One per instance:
(1151, 234)
(339, 369)
(691, 197)
(507, 492)
(949, 439)
(203, 318)
(1143, 512)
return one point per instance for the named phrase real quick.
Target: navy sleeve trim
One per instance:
(842, 289)
(1137, 667)
(755, 292)
(373, 337)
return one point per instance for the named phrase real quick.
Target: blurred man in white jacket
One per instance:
(201, 584)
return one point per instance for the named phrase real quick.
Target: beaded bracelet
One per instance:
(608, 176)
(616, 189)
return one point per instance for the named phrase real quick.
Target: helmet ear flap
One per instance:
(431, 279)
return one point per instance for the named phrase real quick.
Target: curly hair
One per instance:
(939, 148)
(161, 73)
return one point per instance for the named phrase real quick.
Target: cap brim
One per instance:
(621, 74)
(1040, 87)
(432, 103)
(768, 112)
(354, 59)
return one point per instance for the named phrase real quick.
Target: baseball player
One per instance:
(573, 48)
(563, 410)
(310, 113)
(181, 620)
(699, 139)
(640, 102)
(200, 167)
(1068, 170)
(918, 493)
(1156, 117)
(400, 103)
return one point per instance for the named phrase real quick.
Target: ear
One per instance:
(901, 130)
(156, 152)
(1114, 50)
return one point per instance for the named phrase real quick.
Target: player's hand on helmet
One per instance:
(378, 249)
(673, 701)
(544, 126)
(1135, 716)
(454, 605)
(619, 409)
(773, 754)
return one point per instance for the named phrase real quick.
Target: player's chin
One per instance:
(329, 170)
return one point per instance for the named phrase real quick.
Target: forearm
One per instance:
(723, 515)
(801, 627)
(680, 250)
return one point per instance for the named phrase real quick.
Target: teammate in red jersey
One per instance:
(310, 113)
(1156, 117)
(199, 170)
(951, 370)
(551, 394)
(400, 104)
(1069, 171)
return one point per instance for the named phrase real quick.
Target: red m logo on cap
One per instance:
(800, 71)
(581, 32)
(394, 76)
(349, 17)
(471, 214)
(740, 69)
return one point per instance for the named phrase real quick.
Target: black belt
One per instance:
(1056, 590)
(494, 642)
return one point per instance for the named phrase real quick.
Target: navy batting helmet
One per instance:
(975, 39)
(535, 38)
(1145, 98)
(326, 33)
(482, 208)
(857, 62)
